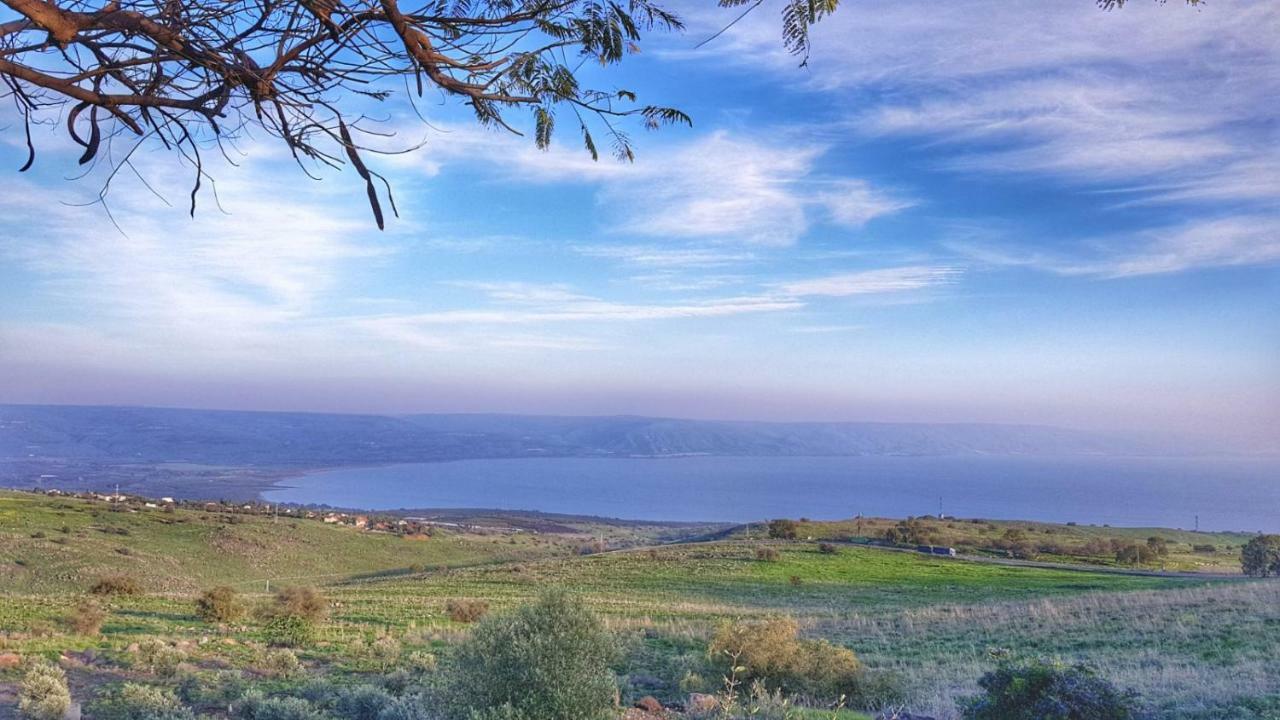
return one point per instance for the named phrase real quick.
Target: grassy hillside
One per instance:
(58, 545)
(1217, 552)
(1194, 648)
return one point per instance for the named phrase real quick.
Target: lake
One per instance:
(1226, 493)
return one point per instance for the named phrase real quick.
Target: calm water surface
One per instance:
(1226, 494)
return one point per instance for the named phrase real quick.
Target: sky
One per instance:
(997, 211)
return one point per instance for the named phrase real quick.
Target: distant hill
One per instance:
(113, 435)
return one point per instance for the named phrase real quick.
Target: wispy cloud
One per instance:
(871, 282)
(723, 186)
(1209, 243)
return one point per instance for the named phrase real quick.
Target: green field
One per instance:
(1195, 648)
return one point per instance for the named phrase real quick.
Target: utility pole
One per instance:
(1197, 523)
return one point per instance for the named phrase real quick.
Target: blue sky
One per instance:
(973, 210)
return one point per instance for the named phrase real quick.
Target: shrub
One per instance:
(87, 618)
(1037, 690)
(384, 651)
(117, 585)
(406, 709)
(256, 706)
(795, 581)
(43, 694)
(300, 602)
(1208, 549)
(547, 660)
(422, 661)
(364, 702)
(784, 529)
(289, 631)
(139, 702)
(160, 657)
(1135, 554)
(466, 611)
(827, 548)
(768, 554)
(281, 663)
(220, 605)
(215, 691)
(771, 652)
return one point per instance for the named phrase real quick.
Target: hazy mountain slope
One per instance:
(156, 435)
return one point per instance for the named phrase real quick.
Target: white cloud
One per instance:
(871, 282)
(1169, 102)
(721, 186)
(1219, 242)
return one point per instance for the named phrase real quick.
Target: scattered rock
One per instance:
(649, 704)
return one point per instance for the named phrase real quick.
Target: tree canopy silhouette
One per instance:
(194, 75)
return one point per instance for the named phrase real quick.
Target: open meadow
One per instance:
(927, 626)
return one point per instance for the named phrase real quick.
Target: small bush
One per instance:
(160, 657)
(43, 694)
(385, 651)
(827, 548)
(771, 653)
(87, 619)
(365, 702)
(300, 602)
(220, 605)
(256, 706)
(795, 581)
(547, 660)
(423, 662)
(289, 631)
(1038, 690)
(139, 702)
(281, 663)
(768, 554)
(117, 585)
(466, 611)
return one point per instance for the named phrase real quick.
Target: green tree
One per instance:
(784, 529)
(1260, 557)
(1048, 691)
(546, 660)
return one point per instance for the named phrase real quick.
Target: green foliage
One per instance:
(43, 694)
(221, 604)
(784, 529)
(1260, 557)
(281, 663)
(133, 701)
(546, 660)
(289, 631)
(256, 706)
(1048, 691)
(160, 657)
(1136, 554)
(363, 702)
